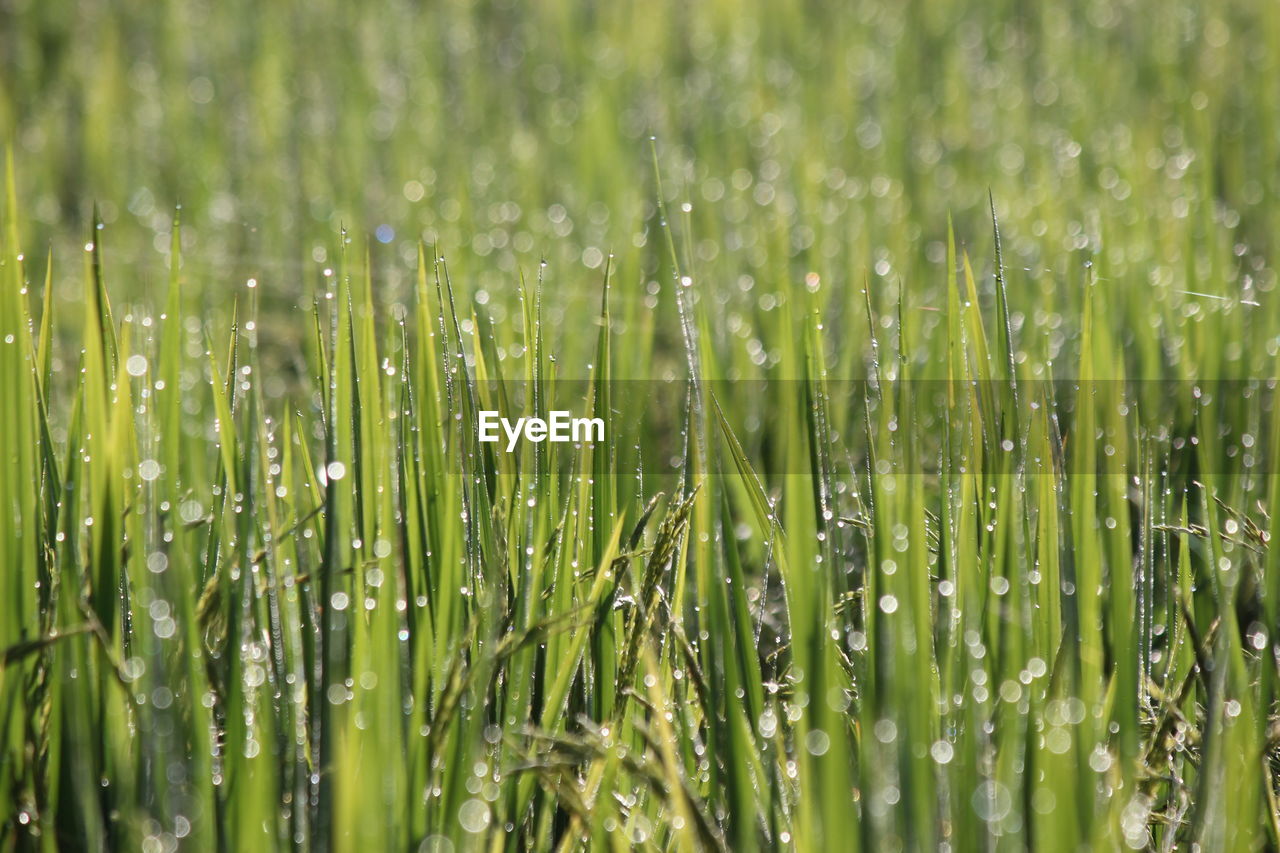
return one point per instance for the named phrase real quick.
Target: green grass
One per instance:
(903, 534)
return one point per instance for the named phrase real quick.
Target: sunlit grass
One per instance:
(903, 533)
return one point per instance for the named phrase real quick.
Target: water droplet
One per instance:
(474, 815)
(136, 365)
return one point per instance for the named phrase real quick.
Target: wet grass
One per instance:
(902, 534)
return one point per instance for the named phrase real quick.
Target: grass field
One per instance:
(936, 349)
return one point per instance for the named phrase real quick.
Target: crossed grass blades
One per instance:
(335, 619)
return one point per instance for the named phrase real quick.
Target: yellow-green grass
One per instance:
(891, 543)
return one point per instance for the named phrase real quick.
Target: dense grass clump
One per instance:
(951, 603)
(936, 350)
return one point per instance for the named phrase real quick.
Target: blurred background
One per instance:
(794, 138)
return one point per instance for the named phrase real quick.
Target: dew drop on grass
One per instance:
(136, 365)
(474, 815)
(435, 844)
(886, 731)
(133, 668)
(817, 742)
(992, 802)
